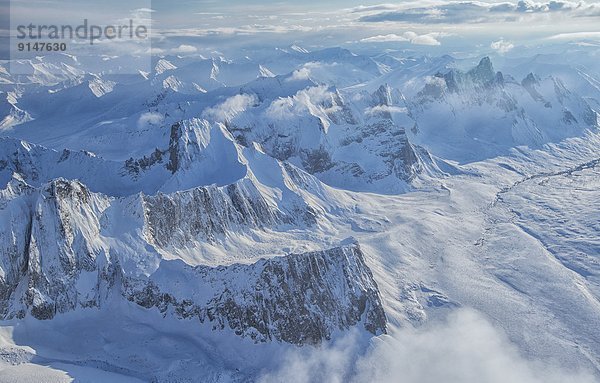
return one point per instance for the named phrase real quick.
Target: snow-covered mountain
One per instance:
(226, 212)
(490, 112)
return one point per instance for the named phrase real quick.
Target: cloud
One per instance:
(145, 10)
(445, 13)
(243, 30)
(369, 8)
(383, 109)
(475, 12)
(502, 46)
(150, 119)
(385, 39)
(465, 349)
(312, 101)
(299, 75)
(411, 37)
(230, 107)
(425, 40)
(576, 36)
(183, 48)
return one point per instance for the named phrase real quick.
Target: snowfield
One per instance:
(301, 216)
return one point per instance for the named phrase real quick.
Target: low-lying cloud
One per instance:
(410, 37)
(501, 46)
(465, 349)
(184, 48)
(230, 107)
(150, 119)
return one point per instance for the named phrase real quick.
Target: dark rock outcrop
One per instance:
(175, 219)
(54, 261)
(482, 76)
(298, 299)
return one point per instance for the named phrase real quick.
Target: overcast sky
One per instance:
(434, 24)
(372, 19)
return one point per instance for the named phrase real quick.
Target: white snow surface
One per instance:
(483, 238)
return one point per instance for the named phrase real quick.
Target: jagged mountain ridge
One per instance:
(64, 254)
(201, 181)
(327, 291)
(493, 112)
(335, 123)
(69, 248)
(391, 170)
(317, 128)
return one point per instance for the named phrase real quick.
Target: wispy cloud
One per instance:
(520, 22)
(474, 12)
(150, 119)
(466, 349)
(250, 29)
(230, 107)
(409, 37)
(452, 13)
(576, 36)
(185, 49)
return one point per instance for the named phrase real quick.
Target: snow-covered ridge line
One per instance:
(480, 114)
(210, 196)
(179, 218)
(60, 256)
(61, 237)
(298, 298)
(191, 153)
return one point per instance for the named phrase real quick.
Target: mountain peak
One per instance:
(485, 62)
(530, 80)
(483, 75)
(484, 71)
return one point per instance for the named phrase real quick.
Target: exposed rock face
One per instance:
(193, 153)
(530, 82)
(383, 96)
(355, 143)
(481, 105)
(175, 219)
(388, 138)
(52, 250)
(299, 299)
(173, 164)
(483, 73)
(59, 254)
(481, 77)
